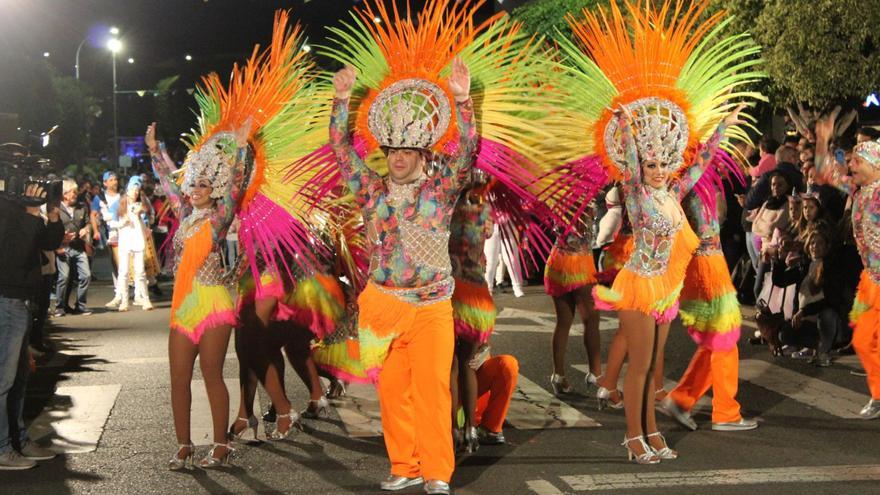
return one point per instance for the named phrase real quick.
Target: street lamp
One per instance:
(113, 30)
(188, 58)
(130, 60)
(46, 54)
(115, 46)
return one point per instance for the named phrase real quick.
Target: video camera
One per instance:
(18, 171)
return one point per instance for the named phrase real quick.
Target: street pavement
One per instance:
(103, 400)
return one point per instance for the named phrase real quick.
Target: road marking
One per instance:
(359, 411)
(74, 420)
(649, 479)
(542, 487)
(533, 408)
(827, 397)
(201, 428)
(158, 359)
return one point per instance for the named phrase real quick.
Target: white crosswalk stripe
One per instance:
(533, 408)
(74, 420)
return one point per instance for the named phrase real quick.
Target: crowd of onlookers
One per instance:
(790, 245)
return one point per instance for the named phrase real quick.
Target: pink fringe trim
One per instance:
(716, 341)
(343, 375)
(320, 325)
(213, 320)
(666, 315)
(470, 333)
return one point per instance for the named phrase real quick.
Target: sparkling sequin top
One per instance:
(407, 225)
(705, 224)
(471, 226)
(653, 231)
(581, 239)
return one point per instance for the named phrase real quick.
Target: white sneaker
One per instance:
(113, 304)
(518, 292)
(123, 307)
(147, 305)
(34, 452)
(13, 461)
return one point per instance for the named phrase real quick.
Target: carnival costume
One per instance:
(865, 314)
(405, 325)
(710, 312)
(473, 309)
(571, 265)
(676, 80)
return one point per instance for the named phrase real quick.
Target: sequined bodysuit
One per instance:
(407, 224)
(705, 225)
(471, 226)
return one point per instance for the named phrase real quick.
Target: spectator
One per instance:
(772, 215)
(866, 133)
(767, 161)
(132, 238)
(232, 242)
(786, 164)
(819, 325)
(806, 155)
(106, 203)
(74, 252)
(791, 141)
(813, 218)
(23, 234)
(42, 302)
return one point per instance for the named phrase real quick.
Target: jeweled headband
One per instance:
(660, 130)
(411, 113)
(213, 161)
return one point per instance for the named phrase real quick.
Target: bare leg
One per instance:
(590, 319)
(663, 333)
(564, 306)
(659, 382)
(455, 390)
(299, 352)
(638, 331)
(467, 378)
(181, 357)
(244, 344)
(212, 354)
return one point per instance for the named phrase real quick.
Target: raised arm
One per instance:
(632, 170)
(224, 213)
(829, 172)
(163, 166)
(459, 84)
(707, 152)
(354, 171)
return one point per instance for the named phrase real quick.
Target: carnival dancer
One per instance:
(711, 313)
(863, 185)
(202, 312)
(473, 309)
(659, 95)
(569, 278)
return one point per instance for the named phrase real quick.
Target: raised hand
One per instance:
(150, 139)
(733, 118)
(343, 82)
(459, 81)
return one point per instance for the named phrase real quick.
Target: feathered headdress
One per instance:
(677, 75)
(275, 91)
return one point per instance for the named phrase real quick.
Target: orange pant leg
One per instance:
(865, 344)
(725, 381)
(496, 381)
(430, 344)
(395, 403)
(696, 380)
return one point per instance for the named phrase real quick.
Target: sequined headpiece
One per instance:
(869, 151)
(212, 161)
(660, 130)
(411, 113)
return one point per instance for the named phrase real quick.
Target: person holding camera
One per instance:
(74, 252)
(23, 234)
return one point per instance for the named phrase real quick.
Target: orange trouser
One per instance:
(496, 381)
(864, 341)
(415, 399)
(716, 369)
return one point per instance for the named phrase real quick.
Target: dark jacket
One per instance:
(834, 284)
(23, 237)
(760, 190)
(76, 222)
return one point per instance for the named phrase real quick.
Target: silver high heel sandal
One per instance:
(471, 440)
(603, 398)
(176, 463)
(559, 385)
(252, 423)
(211, 462)
(336, 390)
(591, 380)
(648, 457)
(294, 423)
(316, 409)
(665, 453)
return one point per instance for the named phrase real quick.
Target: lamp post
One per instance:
(113, 31)
(115, 46)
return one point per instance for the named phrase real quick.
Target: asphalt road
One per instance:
(109, 383)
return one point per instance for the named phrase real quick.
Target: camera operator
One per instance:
(23, 234)
(77, 220)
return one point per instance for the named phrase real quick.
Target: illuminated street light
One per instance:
(130, 60)
(188, 58)
(377, 20)
(114, 45)
(114, 30)
(46, 54)
(306, 48)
